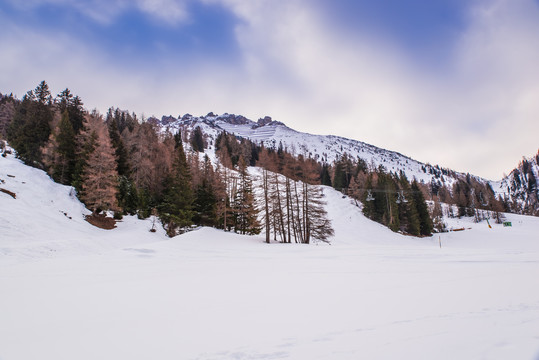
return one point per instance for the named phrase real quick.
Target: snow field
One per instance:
(72, 291)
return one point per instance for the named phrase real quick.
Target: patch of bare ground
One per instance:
(101, 221)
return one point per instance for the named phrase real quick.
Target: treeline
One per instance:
(120, 164)
(522, 184)
(388, 198)
(391, 199)
(292, 204)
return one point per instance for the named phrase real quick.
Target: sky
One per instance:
(448, 82)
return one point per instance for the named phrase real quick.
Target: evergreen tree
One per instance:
(425, 222)
(175, 209)
(325, 178)
(128, 197)
(30, 128)
(245, 210)
(197, 141)
(119, 148)
(60, 152)
(65, 101)
(408, 217)
(205, 204)
(43, 94)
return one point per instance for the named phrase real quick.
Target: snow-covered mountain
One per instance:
(323, 148)
(521, 186)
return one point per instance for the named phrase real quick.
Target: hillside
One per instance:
(519, 187)
(323, 148)
(75, 291)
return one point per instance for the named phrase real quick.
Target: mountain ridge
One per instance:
(520, 187)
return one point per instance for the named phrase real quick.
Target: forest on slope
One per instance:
(126, 165)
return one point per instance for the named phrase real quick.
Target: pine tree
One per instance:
(43, 94)
(197, 141)
(425, 222)
(119, 148)
(325, 178)
(175, 209)
(65, 101)
(30, 128)
(245, 210)
(60, 152)
(205, 204)
(128, 197)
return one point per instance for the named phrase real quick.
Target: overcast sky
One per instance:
(449, 82)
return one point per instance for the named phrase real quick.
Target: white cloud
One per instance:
(480, 116)
(170, 11)
(105, 11)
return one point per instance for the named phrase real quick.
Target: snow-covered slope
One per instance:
(45, 219)
(521, 186)
(72, 291)
(323, 148)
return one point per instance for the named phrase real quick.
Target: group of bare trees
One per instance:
(294, 209)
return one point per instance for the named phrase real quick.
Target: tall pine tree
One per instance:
(176, 207)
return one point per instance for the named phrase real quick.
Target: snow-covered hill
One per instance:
(323, 148)
(72, 291)
(45, 219)
(521, 186)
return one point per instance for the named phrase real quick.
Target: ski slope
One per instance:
(72, 291)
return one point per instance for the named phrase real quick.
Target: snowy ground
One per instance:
(71, 291)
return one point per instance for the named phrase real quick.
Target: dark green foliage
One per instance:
(128, 198)
(197, 141)
(396, 204)
(175, 209)
(30, 128)
(43, 94)
(124, 120)
(344, 171)
(64, 166)
(205, 205)
(339, 180)
(86, 144)
(145, 203)
(255, 150)
(119, 149)
(244, 207)
(65, 101)
(382, 208)
(409, 219)
(425, 222)
(325, 178)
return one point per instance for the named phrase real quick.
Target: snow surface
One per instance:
(72, 291)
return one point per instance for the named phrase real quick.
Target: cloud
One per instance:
(479, 114)
(105, 11)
